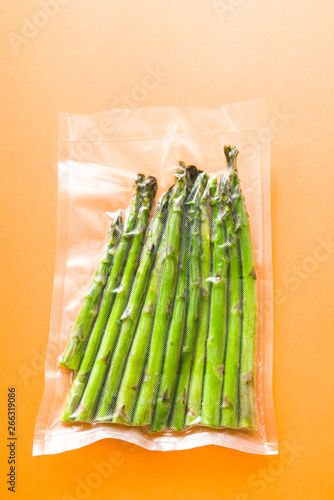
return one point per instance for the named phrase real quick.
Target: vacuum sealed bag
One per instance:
(162, 315)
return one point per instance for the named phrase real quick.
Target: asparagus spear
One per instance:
(230, 405)
(215, 346)
(130, 315)
(97, 374)
(249, 318)
(144, 408)
(197, 371)
(82, 375)
(130, 384)
(194, 255)
(173, 346)
(77, 342)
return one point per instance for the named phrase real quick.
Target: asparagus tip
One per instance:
(139, 178)
(152, 184)
(191, 174)
(116, 226)
(231, 152)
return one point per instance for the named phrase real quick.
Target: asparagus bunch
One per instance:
(173, 343)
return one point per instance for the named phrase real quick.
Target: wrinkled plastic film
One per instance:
(97, 168)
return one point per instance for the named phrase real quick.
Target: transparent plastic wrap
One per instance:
(164, 338)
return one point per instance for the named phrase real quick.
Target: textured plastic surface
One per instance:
(99, 156)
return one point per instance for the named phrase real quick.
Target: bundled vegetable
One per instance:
(175, 311)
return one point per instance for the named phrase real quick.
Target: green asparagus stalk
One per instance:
(76, 345)
(130, 384)
(249, 318)
(130, 315)
(173, 346)
(230, 402)
(101, 363)
(194, 257)
(82, 375)
(197, 372)
(215, 346)
(145, 404)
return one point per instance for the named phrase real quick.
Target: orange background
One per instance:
(86, 58)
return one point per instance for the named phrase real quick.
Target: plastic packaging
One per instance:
(175, 364)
